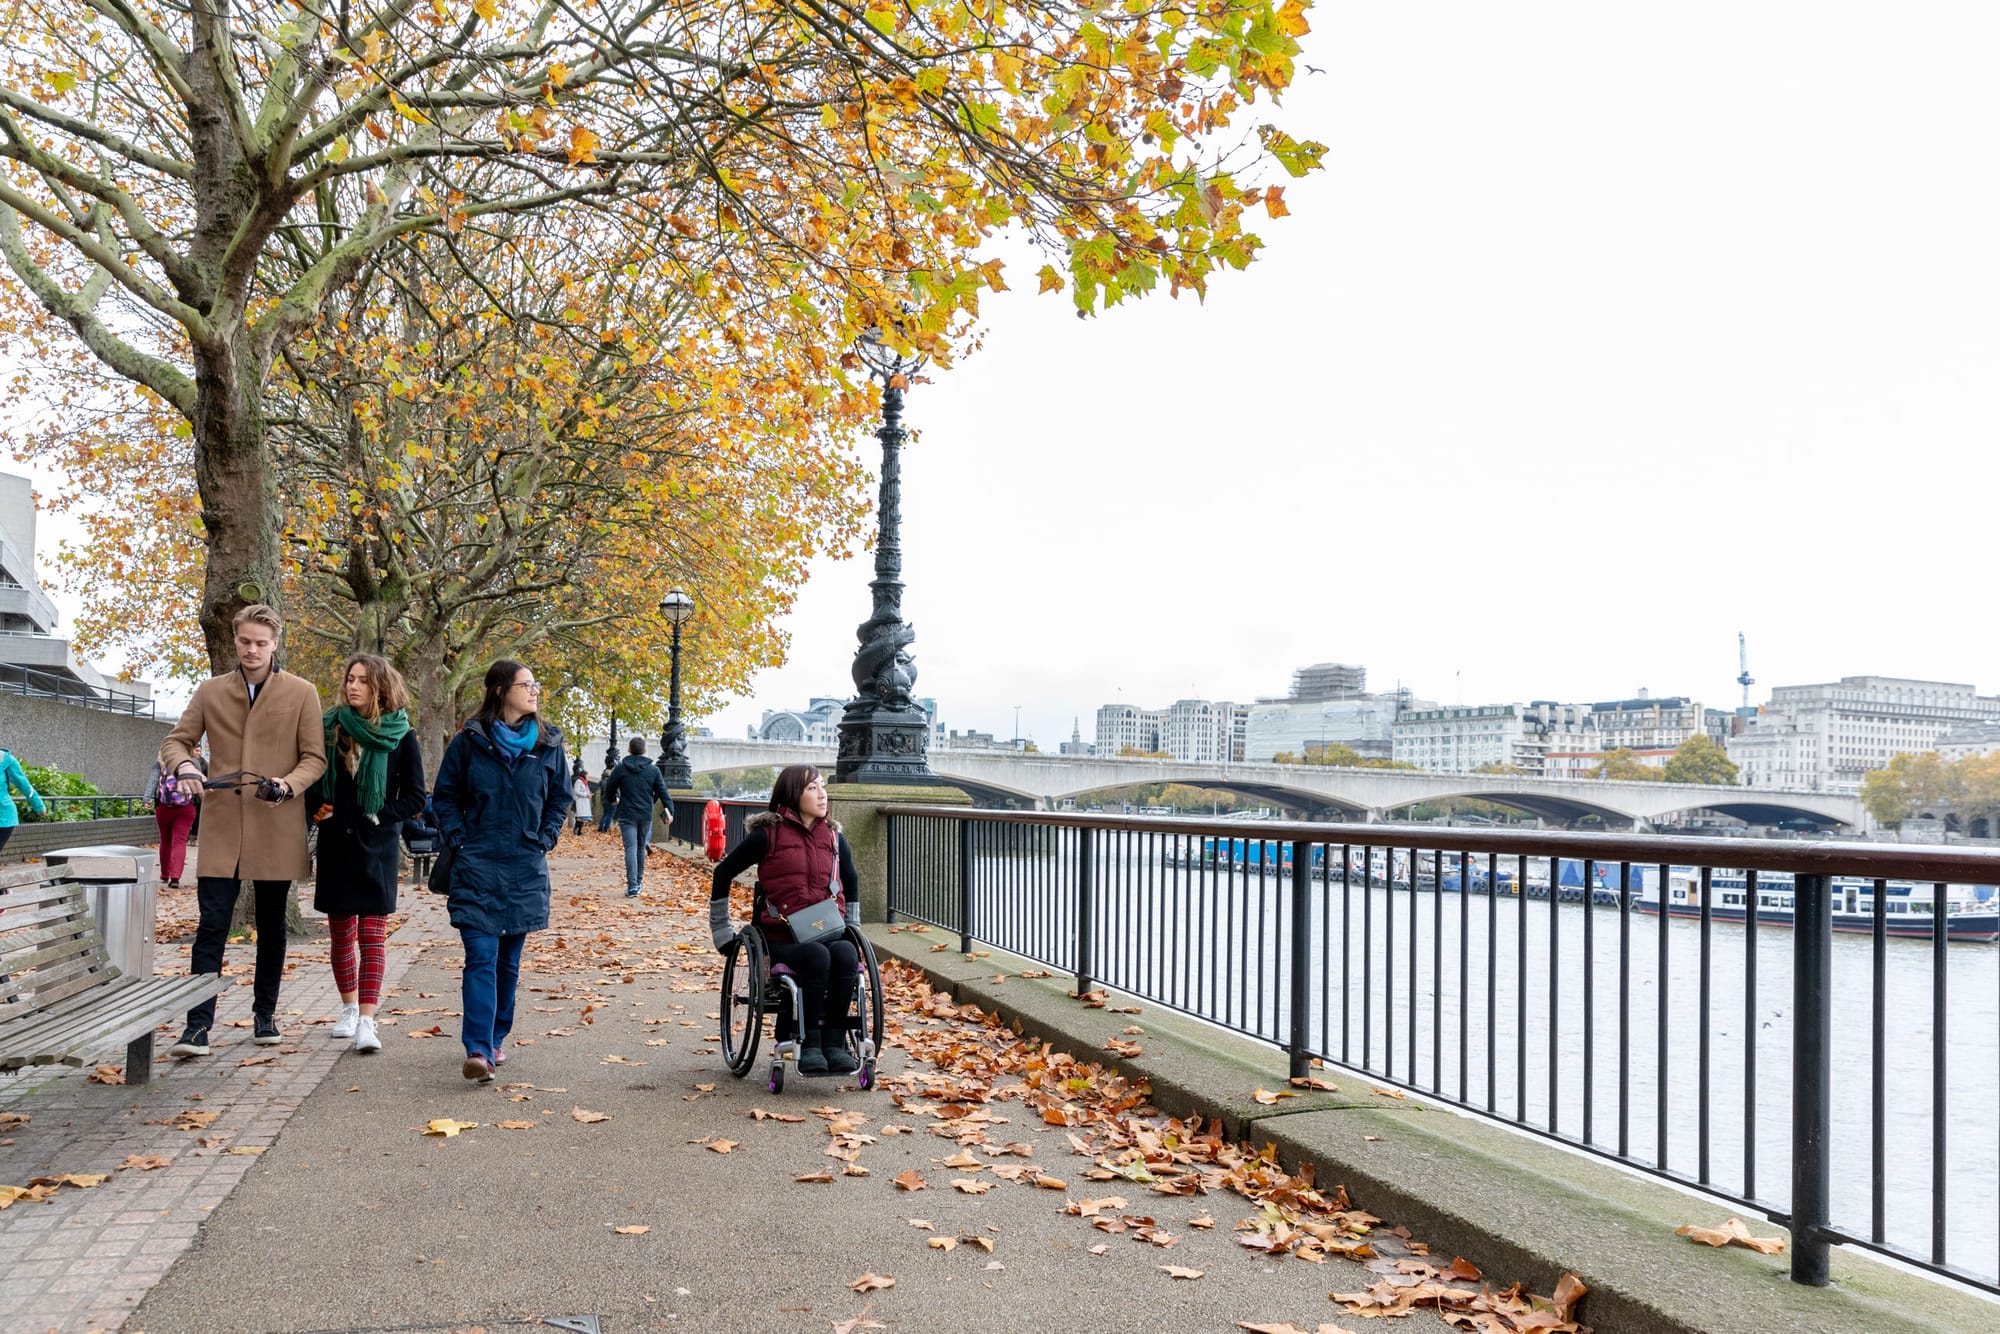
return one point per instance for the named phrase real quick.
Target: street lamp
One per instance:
(677, 607)
(884, 732)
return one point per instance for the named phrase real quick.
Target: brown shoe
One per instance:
(476, 1068)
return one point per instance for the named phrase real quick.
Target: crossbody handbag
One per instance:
(822, 920)
(441, 864)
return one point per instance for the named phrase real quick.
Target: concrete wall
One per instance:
(113, 750)
(32, 840)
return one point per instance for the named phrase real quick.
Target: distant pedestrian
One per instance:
(635, 785)
(502, 798)
(579, 791)
(801, 859)
(13, 778)
(264, 739)
(174, 812)
(374, 782)
(605, 814)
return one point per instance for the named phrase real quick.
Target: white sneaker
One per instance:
(364, 1034)
(344, 1026)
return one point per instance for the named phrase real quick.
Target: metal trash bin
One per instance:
(121, 884)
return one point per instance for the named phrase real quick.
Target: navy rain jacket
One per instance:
(503, 817)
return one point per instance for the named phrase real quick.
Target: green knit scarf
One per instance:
(374, 741)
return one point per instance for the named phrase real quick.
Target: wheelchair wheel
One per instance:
(864, 1033)
(745, 980)
(776, 1083)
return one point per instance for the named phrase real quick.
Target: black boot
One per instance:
(811, 1060)
(833, 1046)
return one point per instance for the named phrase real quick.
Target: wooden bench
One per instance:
(61, 998)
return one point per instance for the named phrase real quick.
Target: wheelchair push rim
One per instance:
(745, 984)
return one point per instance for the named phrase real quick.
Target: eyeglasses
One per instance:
(535, 686)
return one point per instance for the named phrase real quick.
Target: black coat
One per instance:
(633, 787)
(359, 861)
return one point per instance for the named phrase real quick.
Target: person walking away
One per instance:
(374, 782)
(605, 813)
(173, 812)
(502, 799)
(265, 742)
(579, 791)
(635, 785)
(13, 778)
(795, 849)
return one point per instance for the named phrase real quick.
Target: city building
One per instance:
(1825, 736)
(1962, 743)
(818, 724)
(1329, 680)
(1123, 728)
(1645, 723)
(1076, 745)
(1200, 731)
(1464, 738)
(1329, 705)
(33, 659)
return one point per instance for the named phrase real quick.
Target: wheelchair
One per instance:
(754, 989)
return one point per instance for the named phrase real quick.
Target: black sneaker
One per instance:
(194, 1042)
(267, 1034)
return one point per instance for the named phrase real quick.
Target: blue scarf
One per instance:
(514, 741)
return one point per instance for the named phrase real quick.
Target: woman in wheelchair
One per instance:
(796, 851)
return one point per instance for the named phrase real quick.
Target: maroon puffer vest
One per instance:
(796, 868)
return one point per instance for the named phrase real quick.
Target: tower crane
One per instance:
(1743, 677)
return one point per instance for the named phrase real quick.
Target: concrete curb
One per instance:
(1517, 1206)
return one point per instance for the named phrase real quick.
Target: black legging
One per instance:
(826, 972)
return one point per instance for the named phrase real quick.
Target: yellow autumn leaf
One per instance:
(447, 1127)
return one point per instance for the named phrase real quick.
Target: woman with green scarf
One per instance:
(374, 781)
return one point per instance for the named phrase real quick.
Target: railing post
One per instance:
(965, 886)
(889, 868)
(1301, 956)
(1086, 906)
(1812, 1062)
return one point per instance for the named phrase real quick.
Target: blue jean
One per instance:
(636, 837)
(605, 818)
(492, 968)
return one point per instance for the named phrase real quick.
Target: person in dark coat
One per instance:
(501, 800)
(633, 788)
(374, 781)
(801, 859)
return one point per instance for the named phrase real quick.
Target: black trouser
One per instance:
(826, 972)
(217, 897)
(6, 834)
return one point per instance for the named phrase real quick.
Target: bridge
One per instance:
(1044, 782)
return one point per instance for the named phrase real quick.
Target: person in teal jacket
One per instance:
(14, 778)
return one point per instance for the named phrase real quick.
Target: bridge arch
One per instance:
(1291, 798)
(1555, 809)
(1767, 812)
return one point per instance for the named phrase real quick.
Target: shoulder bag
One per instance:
(823, 920)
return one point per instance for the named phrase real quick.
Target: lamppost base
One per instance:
(678, 773)
(885, 747)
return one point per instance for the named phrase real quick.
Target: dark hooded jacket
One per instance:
(502, 816)
(632, 789)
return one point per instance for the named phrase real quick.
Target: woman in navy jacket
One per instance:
(501, 798)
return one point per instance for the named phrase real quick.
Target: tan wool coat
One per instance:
(280, 736)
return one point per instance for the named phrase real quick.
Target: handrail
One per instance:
(1897, 861)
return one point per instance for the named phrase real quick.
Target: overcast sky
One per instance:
(1607, 331)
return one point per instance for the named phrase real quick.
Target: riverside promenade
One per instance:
(616, 1178)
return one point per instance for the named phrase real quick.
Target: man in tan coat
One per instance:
(261, 724)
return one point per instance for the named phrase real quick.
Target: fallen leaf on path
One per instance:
(9, 1195)
(80, 1180)
(14, 1120)
(759, 1114)
(1287, 1327)
(872, 1283)
(1270, 1099)
(816, 1178)
(1320, 1085)
(942, 1243)
(967, 1186)
(587, 1116)
(447, 1127)
(633, 1230)
(144, 1162)
(1388, 1093)
(1205, 1221)
(256, 1060)
(518, 1125)
(722, 1145)
(1128, 1050)
(107, 1074)
(1570, 1290)
(434, 1031)
(1178, 1271)
(923, 1223)
(1462, 1271)
(1091, 1208)
(1099, 1249)
(1732, 1233)
(911, 1179)
(187, 1120)
(246, 1150)
(859, 1322)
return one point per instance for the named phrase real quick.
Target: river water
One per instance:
(1215, 943)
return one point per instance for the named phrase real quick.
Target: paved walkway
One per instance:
(618, 1177)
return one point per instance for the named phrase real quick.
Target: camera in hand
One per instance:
(269, 790)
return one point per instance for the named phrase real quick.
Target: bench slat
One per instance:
(42, 915)
(139, 1007)
(69, 984)
(28, 875)
(71, 946)
(27, 896)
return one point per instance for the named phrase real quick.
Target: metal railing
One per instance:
(18, 679)
(99, 807)
(1502, 972)
(686, 825)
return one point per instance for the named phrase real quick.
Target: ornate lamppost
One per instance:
(677, 607)
(611, 750)
(885, 733)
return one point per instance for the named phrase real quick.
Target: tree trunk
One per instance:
(437, 707)
(239, 493)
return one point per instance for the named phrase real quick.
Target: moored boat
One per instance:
(1971, 912)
